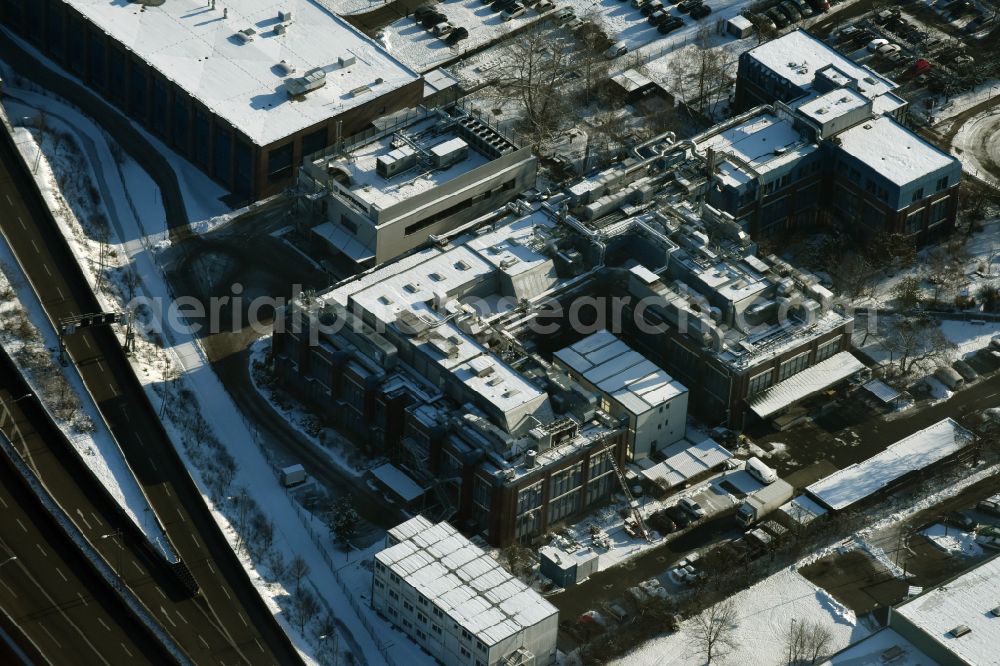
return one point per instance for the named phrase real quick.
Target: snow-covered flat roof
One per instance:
(197, 47)
(881, 648)
(924, 447)
(458, 577)
(798, 55)
(966, 600)
(892, 150)
(832, 105)
(621, 372)
(826, 373)
(802, 510)
(398, 481)
(765, 142)
(373, 189)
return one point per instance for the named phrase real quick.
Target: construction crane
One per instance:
(633, 504)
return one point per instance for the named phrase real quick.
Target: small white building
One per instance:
(631, 386)
(458, 603)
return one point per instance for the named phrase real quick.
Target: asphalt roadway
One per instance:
(54, 596)
(252, 635)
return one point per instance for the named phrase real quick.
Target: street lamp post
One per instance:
(8, 560)
(115, 535)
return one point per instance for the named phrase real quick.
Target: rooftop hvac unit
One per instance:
(346, 61)
(285, 68)
(285, 16)
(360, 90)
(311, 80)
(246, 35)
(279, 29)
(448, 153)
(395, 161)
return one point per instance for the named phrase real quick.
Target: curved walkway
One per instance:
(41, 72)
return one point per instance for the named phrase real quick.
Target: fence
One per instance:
(308, 521)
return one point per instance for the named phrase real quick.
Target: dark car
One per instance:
(779, 18)
(687, 5)
(656, 17)
(962, 520)
(457, 35)
(422, 11)
(432, 19)
(680, 517)
(700, 12)
(662, 523)
(990, 505)
(668, 26)
(651, 7)
(664, 19)
(790, 10)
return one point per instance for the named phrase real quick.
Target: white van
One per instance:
(758, 470)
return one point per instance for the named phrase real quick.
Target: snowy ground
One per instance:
(208, 430)
(764, 614)
(977, 145)
(28, 337)
(953, 540)
(421, 50)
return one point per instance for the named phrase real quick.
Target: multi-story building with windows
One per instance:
(243, 90)
(458, 603)
(387, 195)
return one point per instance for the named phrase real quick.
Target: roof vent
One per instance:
(960, 631)
(311, 80)
(285, 16)
(346, 61)
(995, 612)
(285, 68)
(279, 29)
(246, 35)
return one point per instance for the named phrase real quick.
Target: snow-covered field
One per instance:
(207, 429)
(765, 613)
(422, 51)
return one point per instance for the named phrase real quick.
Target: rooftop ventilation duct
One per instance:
(311, 80)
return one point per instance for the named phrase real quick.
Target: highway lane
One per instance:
(54, 596)
(229, 599)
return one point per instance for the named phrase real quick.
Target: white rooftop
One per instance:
(892, 150)
(619, 371)
(765, 142)
(826, 373)
(374, 190)
(196, 47)
(879, 649)
(802, 510)
(924, 447)
(398, 481)
(468, 585)
(798, 55)
(688, 463)
(832, 105)
(966, 600)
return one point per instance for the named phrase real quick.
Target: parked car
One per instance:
(638, 3)
(651, 7)
(961, 520)
(990, 505)
(888, 49)
(457, 35)
(432, 19)
(700, 12)
(964, 60)
(949, 378)
(759, 470)
(424, 10)
(692, 507)
(804, 8)
(565, 13)
(668, 26)
(680, 517)
(877, 42)
(512, 11)
(615, 50)
(764, 20)
(443, 29)
(686, 6)
(656, 17)
(778, 18)
(662, 523)
(790, 10)
(543, 6)
(967, 371)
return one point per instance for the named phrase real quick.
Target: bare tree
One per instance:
(907, 292)
(304, 606)
(712, 630)
(298, 569)
(532, 69)
(807, 642)
(915, 341)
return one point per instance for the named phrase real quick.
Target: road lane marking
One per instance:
(86, 341)
(47, 271)
(182, 618)
(35, 245)
(59, 291)
(21, 525)
(258, 644)
(103, 623)
(99, 523)
(161, 593)
(61, 575)
(9, 588)
(84, 519)
(9, 202)
(46, 630)
(126, 650)
(40, 549)
(3, 502)
(195, 539)
(137, 567)
(243, 619)
(210, 568)
(227, 594)
(167, 615)
(203, 642)
(183, 520)
(82, 598)
(23, 225)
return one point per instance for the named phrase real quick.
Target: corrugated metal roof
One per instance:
(882, 391)
(811, 380)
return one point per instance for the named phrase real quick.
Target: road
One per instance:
(253, 635)
(54, 596)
